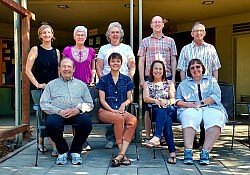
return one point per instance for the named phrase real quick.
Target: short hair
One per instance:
(114, 55)
(197, 23)
(66, 58)
(119, 26)
(80, 29)
(40, 30)
(151, 76)
(192, 62)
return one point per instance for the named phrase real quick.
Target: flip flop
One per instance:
(54, 153)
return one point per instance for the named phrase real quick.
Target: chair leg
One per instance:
(37, 143)
(232, 144)
(136, 145)
(249, 131)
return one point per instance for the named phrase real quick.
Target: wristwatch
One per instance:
(202, 103)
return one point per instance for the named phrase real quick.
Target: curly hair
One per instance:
(114, 24)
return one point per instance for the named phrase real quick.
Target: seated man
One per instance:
(65, 100)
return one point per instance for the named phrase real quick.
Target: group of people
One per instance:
(67, 100)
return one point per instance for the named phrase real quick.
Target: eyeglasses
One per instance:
(156, 22)
(197, 31)
(193, 67)
(78, 35)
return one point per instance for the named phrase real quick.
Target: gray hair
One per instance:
(197, 23)
(80, 29)
(66, 58)
(114, 24)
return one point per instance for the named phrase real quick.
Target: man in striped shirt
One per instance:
(201, 50)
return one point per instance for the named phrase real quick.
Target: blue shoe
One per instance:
(188, 156)
(204, 157)
(62, 159)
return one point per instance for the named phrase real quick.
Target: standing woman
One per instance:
(115, 94)
(83, 57)
(42, 67)
(161, 92)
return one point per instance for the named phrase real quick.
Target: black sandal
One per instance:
(171, 160)
(126, 161)
(116, 162)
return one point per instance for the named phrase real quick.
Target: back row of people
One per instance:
(155, 47)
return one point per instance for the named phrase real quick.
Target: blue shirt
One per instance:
(188, 91)
(115, 94)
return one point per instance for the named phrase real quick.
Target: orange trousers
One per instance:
(119, 121)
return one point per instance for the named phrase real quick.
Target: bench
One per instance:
(228, 101)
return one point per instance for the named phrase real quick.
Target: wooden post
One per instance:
(25, 80)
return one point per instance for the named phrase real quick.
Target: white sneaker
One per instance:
(86, 146)
(62, 159)
(76, 158)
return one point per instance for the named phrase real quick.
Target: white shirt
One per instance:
(123, 49)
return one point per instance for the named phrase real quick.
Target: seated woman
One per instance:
(115, 94)
(198, 99)
(161, 92)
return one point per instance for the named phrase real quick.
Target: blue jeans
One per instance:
(55, 126)
(163, 118)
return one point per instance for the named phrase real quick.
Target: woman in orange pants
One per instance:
(115, 91)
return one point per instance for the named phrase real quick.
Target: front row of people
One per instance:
(67, 100)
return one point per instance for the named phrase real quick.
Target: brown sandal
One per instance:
(116, 162)
(171, 160)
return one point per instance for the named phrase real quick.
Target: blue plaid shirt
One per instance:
(206, 53)
(188, 91)
(115, 94)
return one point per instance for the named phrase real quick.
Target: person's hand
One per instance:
(42, 86)
(142, 83)
(164, 103)
(194, 104)
(92, 84)
(67, 113)
(118, 112)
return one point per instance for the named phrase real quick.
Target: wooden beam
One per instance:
(25, 79)
(18, 8)
(13, 131)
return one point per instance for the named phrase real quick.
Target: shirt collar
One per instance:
(203, 77)
(203, 44)
(68, 80)
(110, 76)
(152, 36)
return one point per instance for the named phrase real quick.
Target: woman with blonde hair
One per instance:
(42, 67)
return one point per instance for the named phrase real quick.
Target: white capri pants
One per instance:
(192, 117)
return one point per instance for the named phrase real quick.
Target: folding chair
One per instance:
(40, 115)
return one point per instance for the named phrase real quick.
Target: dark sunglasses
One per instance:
(197, 67)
